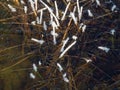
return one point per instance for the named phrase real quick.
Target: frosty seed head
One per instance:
(34, 67)
(32, 76)
(106, 49)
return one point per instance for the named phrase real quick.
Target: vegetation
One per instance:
(74, 48)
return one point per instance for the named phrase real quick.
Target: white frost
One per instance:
(60, 67)
(32, 76)
(87, 60)
(83, 28)
(61, 55)
(44, 26)
(73, 17)
(63, 17)
(98, 2)
(65, 78)
(64, 43)
(51, 12)
(38, 41)
(113, 8)
(90, 13)
(22, 2)
(41, 15)
(39, 63)
(33, 22)
(106, 49)
(56, 8)
(12, 8)
(112, 31)
(25, 9)
(34, 67)
(74, 37)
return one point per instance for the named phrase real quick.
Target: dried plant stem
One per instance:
(67, 29)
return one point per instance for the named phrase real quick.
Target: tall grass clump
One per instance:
(60, 44)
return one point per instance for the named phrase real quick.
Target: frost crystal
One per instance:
(34, 67)
(40, 63)
(60, 67)
(51, 12)
(12, 8)
(106, 49)
(74, 37)
(41, 15)
(38, 41)
(56, 7)
(32, 76)
(22, 2)
(83, 28)
(44, 26)
(65, 78)
(113, 8)
(32, 5)
(87, 60)
(98, 2)
(37, 19)
(63, 17)
(73, 17)
(33, 22)
(25, 9)
(61, 55)
(89, 13)
(64, 43)
(112, 31)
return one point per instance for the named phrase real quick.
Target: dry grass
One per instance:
(18, 52)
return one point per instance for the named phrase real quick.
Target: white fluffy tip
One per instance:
(87, 60)
(74, 37)
(54, 34)
(65, 78)
(33, 22)
(83, 28)
(90, 13)
(39, 63)
(106, 49)
(68, 0)
(113, 7)
(60, 67)
(12, 8)
(38, 41)
(98, 2)
(25, 9)
(41, 41)
(112, 31)
(32, 76)
(34, 67)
